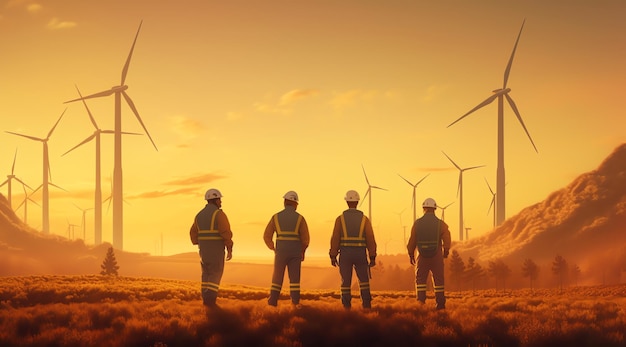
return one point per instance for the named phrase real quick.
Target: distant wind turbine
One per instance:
(413, 202)
(98, 190)
(500, 94)
(460, 193)
(493, 200)
(46, 173)
(118, 193)
(83, 221)
(25, 202)
(13, 177)
(443, 211)
(369, 192)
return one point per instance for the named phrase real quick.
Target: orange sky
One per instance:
(257, 98)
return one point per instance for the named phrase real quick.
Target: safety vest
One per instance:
(427, 234)
(353, 227)
(291, 222)
(207, 224)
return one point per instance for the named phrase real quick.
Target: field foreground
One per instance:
(96, 310)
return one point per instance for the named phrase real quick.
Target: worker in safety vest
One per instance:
(211, 232)
(292, 240)
(429, 235)
(352, 240)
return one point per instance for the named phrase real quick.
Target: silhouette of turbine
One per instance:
(46, 174)
(413, 202)
(501, 94)
(118, 193)
(369, 192)
(12, 177)
(459, 192)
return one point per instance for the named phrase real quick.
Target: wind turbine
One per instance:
(46, 174)
(13, 177)
(493, 200)
(98, 190)
(118, 193)
(25, 202)
(369, 192)
(501, 94)
(459, 193)
(443, 211)
(413, 202)
(84, 211)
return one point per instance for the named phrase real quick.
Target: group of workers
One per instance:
(352, 241)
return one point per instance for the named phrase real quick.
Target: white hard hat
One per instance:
(352, 195)
(212, 194)
(291, 196)
(430, 203)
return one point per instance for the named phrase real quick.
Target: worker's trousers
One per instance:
(292, 260)
(354, 258)
(425, 266)
(212, 263)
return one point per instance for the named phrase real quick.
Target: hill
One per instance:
(585, 222)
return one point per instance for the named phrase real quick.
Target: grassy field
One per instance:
(125, 311)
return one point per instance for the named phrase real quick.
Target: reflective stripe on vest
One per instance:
(210, 234)
(287, 235)
(352, 241)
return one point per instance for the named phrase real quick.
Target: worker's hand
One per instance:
(372, 261)
(229, 255)
(412, 259)
(333, 261)
(446, 252)
(302, 256)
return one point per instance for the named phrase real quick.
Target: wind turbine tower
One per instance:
(501, 94)
(118, 193)
(369, 192)
(414, 197)
(460, 193)
(46, 173)
(443, 211)
(12, 177)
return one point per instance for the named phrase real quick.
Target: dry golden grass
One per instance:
(101, 311)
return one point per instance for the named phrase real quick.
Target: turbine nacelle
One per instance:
(501, 91)
(119, 89)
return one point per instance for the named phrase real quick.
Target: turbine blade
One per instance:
(443, 208)
(458, 188)
(508, 66)
(519, 118)
(420, 181)
(55, 124)
(93, 121)
(369, 188)
(376, 187)
(407, 181)
(493, 201)
(5, 182)
(452, 161)
(472, 167)
(488, 186)
(486, 102)
(130, 54)
(54, 185)
(26, 136)
(82, 143)
(132, 107)
(96, 95)
(366, 180)
(23, 184)
(123, 132)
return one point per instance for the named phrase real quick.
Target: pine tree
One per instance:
(109, 265)
(457, 268)
(530, 270)
(559, 269)
(499, 270)
(474, 272)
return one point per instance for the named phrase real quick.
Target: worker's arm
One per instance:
(410, 247)
(305, 237)
(370, 241)
(268, 234)
(193, 233)
(335, 238)
(445, 237)
(223, 227)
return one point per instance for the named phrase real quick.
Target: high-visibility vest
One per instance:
(206, 221)
(288, 235)
(428, 235)
(352, 235)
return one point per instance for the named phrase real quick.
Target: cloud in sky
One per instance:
(34, 8)
(351, 98)
(186, 128)
(297, 94)
(56, 24)
(196, 180)
(161, 193)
